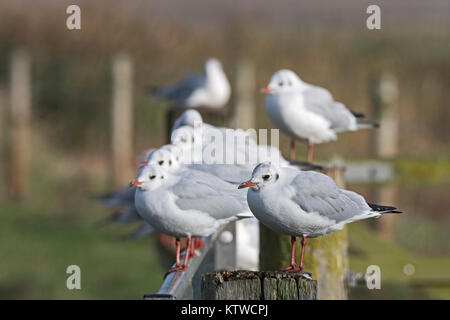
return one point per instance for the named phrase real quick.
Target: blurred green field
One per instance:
(56, 228)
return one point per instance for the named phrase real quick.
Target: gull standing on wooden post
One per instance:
(187, 205)
(307, 112)
(210, 89)
(304, 204)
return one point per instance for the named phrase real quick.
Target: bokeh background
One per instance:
(52, 224)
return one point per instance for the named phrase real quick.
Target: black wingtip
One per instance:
(384, 209)
(303, 165)
(358, 115)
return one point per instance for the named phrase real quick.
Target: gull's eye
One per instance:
(170, 162)
(152, 177)
(161, 162)
(280, 83)
(266, 177)
(162, 177)
(289, 83)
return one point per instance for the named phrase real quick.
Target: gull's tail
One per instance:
(383, 209)
(142, 231)
(245, 215)
(303, 165)
(367, 125)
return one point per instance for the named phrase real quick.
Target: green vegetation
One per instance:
(55, 227)
(431, 275)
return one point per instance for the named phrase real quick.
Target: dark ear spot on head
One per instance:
(162, 177)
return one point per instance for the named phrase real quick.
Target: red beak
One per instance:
(247, 184)
(266, 90)
(135, 183)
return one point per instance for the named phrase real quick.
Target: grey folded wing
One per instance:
(122, 197)
(203, 197)
(234, 174)
(182, 90)
(320, 101)
(316, 192)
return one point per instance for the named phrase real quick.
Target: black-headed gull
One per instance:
(210, 89)
(304, 204)
(187, 205)
(307, 112)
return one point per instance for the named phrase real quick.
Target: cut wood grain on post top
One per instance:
(252, 285)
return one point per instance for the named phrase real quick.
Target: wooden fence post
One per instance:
(19, 114)
(122, 121)
(384, 100)
(251, 285)
(326, 257)
(244, 108)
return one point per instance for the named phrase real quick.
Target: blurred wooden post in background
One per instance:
(122, 121)
(244, 108)
(385, 141)
(326, 257)
(243, 117)
(19, 113)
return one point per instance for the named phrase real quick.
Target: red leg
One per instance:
(193, 245)
(293, 266)
(188, 253)
(199, 243)
(292, 151)
(310, 151)
(178, 265)
(303, 252)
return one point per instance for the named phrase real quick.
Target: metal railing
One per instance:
(216, 254)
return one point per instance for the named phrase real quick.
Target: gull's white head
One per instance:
(263, 175)
(283, 81)
(191, 118)
(176, 153)
(150, 177)
(164, 158)
(184, 137)
(212, 64)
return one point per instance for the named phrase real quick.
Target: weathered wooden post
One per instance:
(251, 285)
(385, 141)
(19, 114)
(325, 258)
(122, 121)
(244, 107)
